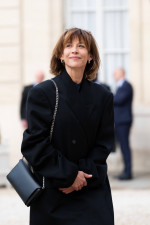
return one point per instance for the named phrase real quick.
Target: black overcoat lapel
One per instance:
(79, 102)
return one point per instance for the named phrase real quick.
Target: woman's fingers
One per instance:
(80, 180)
(76, 187)
(67, 190)
(80, 187)
(87, 175)
(78, 184)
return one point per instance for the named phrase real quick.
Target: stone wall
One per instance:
(28, 32)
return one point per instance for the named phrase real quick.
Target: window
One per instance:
(115, 37)
(108, 20)
(81, 13)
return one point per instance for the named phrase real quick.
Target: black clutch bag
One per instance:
(24, 182)
(22, 177)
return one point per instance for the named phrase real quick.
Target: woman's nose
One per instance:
(74, 49)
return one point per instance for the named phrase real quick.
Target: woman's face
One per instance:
(75, 55)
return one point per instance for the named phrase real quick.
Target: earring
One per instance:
(62, 61)
(89, 61)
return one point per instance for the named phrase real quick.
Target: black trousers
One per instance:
(122, 135)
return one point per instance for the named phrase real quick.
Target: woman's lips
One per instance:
(74, 57)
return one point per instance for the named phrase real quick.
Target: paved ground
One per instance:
(131, 203)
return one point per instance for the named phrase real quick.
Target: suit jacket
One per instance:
(106, 86)
(82, 140)
(23, 103)
(123, 104)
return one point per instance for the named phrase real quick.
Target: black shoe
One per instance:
(124, 176)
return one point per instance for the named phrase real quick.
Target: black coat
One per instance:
(123, 104)
(82, 140)
(23, 102)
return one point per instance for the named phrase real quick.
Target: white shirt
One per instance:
(120, 82)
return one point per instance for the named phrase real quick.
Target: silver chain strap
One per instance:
(55, 110)
(53, 121)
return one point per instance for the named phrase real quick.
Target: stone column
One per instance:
(140, 78)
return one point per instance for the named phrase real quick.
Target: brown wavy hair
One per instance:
(91, 69)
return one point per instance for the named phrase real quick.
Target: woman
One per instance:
(74, 164)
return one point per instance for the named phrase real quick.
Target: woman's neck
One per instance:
(75, 74)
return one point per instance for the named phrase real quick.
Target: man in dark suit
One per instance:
(123, 120)
(39, 77)
(106, 86)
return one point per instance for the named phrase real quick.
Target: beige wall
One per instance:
(140, 71)
(140, 78)
(10, 67)
(41, 27)
(146, 50)
(28, 32)
(140, 49)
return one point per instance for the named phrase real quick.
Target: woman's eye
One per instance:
(68, 45)
(81, 46)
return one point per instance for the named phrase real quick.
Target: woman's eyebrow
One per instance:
(70, 42)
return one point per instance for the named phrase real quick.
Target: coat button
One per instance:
(74, 141)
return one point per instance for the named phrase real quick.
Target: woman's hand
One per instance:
(80, 180)
(67, 190)
(78, 184)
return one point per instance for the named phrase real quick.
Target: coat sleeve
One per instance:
(95, 163)
(36, 147)
(23, 104)
(122, 96)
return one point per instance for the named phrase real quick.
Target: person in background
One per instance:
(123, 120)
(106, 86)
(39, 77)
(77, 190)
(103, 84)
